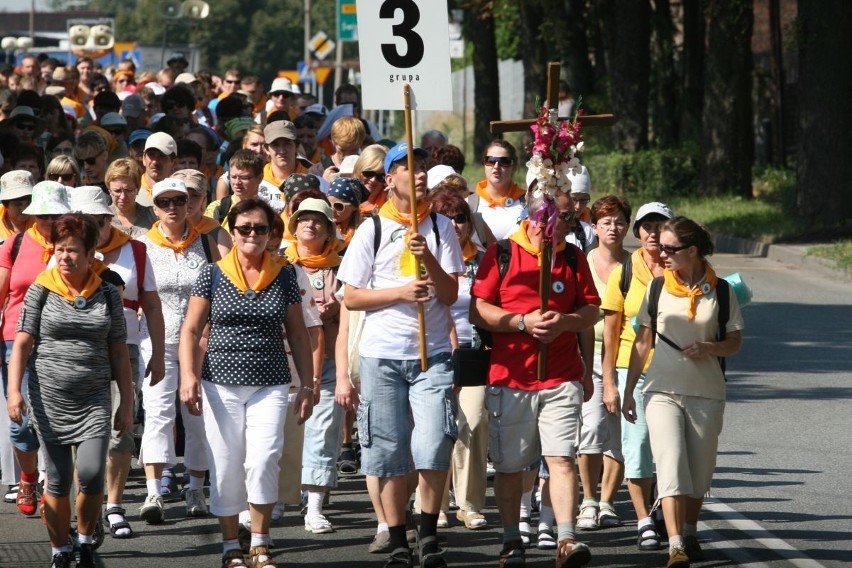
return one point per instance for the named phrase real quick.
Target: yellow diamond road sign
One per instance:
(321, 45)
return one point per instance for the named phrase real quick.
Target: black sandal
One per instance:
(347, 463)
(115, 527)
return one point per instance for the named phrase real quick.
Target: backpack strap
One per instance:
(224, 207)
(377, 231)
(504, 255)
(723, 299)
(434, 217)
(16, 246)
(139, 260)
(215, 277)
(626, 276)
(655, 287)
(205, 244)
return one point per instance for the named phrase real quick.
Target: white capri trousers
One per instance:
(245, 436)
(160, 402)
(684, 434)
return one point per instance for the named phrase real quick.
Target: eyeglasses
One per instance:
(25, 126)
(244, 179)
(619, 225)
(651, 226)
(90, 161)
(232, 81)
(339, 206)
(310, 219)
(173, 105)
(61, 177)
(246, 230)
(123, 191)
(670, 249)
(165, 202)
(372, 175)
(460, 218)
(492, 161)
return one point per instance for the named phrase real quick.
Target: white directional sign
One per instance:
(405, 41)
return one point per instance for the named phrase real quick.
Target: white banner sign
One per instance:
(405, 41)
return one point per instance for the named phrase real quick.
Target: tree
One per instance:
(534, 54)
(486, 90)
(727, 145)
(574, 47)
(629, 71)
(664, 116)
(692, 86)
(824, 123)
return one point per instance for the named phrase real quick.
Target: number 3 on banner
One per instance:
(404, 30)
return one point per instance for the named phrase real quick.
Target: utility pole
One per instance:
(307, 55)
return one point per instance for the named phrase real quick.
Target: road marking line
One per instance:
(759, 534)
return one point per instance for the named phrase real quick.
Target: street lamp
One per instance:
(11, 45)
(172, 10)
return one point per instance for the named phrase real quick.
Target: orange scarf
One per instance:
(521, 237)
(389, 211)
(469, 251)
(159, 239)
(206, 224)
(515, 192)
(53, 281)
(641, 270)
(328, 258)
(676, 287)
(46, 247)
(367, 207)
(270, 177)
(347, 234)
(585, 216)
(6, 228)
(117, 239)
(269, 270)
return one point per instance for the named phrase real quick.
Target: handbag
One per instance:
(470, 366)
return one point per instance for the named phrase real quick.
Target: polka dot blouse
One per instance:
(246, 342)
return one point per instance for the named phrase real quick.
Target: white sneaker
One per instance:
(587, 520)
(318, 524)
(196, 504)
(277, 513)
(245, 520)
(151, 510)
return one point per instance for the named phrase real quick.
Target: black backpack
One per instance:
(377, 233)
(722, 297)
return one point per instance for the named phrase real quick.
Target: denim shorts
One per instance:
(23, 435)
(323, 433)
(635, 440)
(407, 417)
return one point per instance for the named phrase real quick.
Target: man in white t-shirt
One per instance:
(379, 277)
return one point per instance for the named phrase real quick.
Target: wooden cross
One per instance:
(501, 126)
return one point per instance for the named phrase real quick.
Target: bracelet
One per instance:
(307, 388)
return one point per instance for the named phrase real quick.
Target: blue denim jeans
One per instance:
(322, 434)
(407, 417)
(22, 435)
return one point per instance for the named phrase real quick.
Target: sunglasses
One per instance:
(669, 249)
(164, 202)
(25, 126)
(232, 81)
(61, 177)
(373, 175)
(116, 131)
(460, 218)
(279, 94)
(340, 206)
(246, 230)
(89, 161)
(492, 161)
(174, 105)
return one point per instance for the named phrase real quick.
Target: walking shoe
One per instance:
(381, 543)
(473, 520)
(649, 538)
(169, 487)
(607, 517)
(431, 555)
(512, 555)
(151, 510)
(196, 505)
(86, 556)
(587, 520)
(453, 504)
(27, 498)
(233, 559)
(572, 554)
(546, 538)
(259, 557)
(277, 513)
(61, 560)
(11, 495)
(318, 524)
(525, 530)
(400, 558)
(678, 558)
(693, 548)
(443, 521)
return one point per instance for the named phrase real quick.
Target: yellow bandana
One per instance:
(47, 248)
(117, 239)
(328, 258)
(230, 267)
(6, 228)
(676, 287)
(389, 211)
(206, 224)
(269, 176)
(53, 281)
(521, 237)
(160, 239)
(515, 192)
(469, 251)
(373, 202)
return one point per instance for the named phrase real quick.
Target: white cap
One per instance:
(580, 182)
(187, 78)
(162, 142)
(439, 173)
(284, 84)
(653, 208)
(89, 199)
(166, 185)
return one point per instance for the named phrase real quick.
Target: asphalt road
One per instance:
(780, 496)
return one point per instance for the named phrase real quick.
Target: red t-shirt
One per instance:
(28, 265)
(515, 355)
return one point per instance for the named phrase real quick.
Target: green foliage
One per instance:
(776, 185)
(746, 218)
(507, 22)
(648, 174)
(840, 253)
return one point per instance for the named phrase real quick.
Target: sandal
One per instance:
(431, 555)
(347, 463)
(471, 519)
(233, 559)
(122, 525)
(259, 557)
(649, 538)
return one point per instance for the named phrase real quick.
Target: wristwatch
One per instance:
(521, 325)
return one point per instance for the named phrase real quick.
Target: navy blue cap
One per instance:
(138, 134)
(400, 152)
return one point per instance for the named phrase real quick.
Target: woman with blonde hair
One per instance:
(370, 170)
(123, 179)
(65, 170)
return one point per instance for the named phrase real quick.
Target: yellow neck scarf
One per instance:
(53, 281)
(46, 247)
(269, 270)
(7, 229)
(676, 287)
(347, 234)
(159, 239)
(206, 224)
(117, 239)
(515, 193)
(269, 176)
(328, 258)
(641, 270)
(389, 211)
(521, 237)
(373, 201)
(469, 251)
